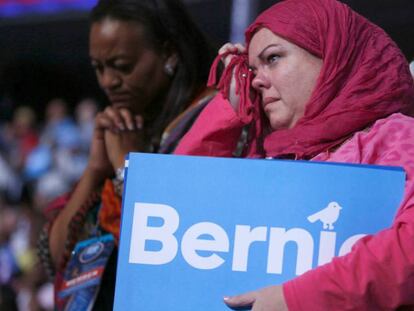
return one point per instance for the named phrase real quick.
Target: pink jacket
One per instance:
(378, 274)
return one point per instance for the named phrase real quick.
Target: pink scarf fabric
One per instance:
(364, 77)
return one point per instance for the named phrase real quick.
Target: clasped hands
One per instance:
(116, 133)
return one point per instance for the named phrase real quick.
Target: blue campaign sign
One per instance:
(195, 228)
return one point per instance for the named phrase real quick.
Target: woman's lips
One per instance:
(119, 99)
(269, 100)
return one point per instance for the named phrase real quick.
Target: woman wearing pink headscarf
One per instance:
(319, 82)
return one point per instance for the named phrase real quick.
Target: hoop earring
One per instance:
(169, 69)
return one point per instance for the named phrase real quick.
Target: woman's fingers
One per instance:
(241, 302)
(266, 299)
(102, 122)
(119, 120)
(228, 47)
(240, 47)
(116, 118)
(128, 119)
(232, 48)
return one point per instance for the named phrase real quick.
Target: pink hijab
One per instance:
(364, 77)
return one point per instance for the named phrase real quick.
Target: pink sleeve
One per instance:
(214, 133)
(378, 274)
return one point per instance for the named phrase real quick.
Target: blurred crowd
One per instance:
(39, 160)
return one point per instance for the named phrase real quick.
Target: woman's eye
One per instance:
(272, 58)
(123, 67)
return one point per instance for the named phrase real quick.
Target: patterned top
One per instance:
(105, 204)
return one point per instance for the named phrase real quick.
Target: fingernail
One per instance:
(226, 298)
(121, 126)
(130, 127)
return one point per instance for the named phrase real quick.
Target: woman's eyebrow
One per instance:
(268, 47)
(260, 56)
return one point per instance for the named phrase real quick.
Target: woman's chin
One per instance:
(277, 123)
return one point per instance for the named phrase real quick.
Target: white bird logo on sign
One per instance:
(328, 216)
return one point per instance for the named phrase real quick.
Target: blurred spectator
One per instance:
(25, 135)
(8, 260)
(10, 181)
(35, 166)
(32, 282)
(19, 137)
(23, 283)
(60, 130)
(38, 162)
(47, 187)
(85, 114)
(57, 163)
(412, 68)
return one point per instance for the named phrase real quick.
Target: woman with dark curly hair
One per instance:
(152, 62)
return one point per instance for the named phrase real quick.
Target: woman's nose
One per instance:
(260, 81)
(109, 80)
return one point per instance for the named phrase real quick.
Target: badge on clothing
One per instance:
(84, 272)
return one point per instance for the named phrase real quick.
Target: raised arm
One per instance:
(214, 133)
(218, 128)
